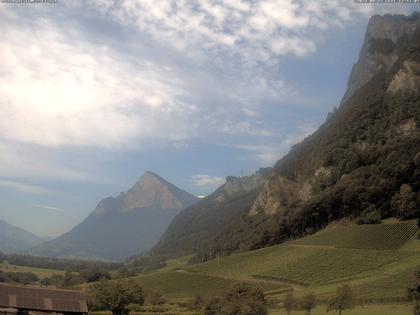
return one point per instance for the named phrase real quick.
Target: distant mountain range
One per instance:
(14, 239)
(122, 226)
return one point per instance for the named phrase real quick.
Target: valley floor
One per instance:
(365, 310)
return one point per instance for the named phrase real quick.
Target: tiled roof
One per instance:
(42, 299)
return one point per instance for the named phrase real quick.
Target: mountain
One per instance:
(196, 226)
(122, 226)
(363, 163)
(14, 239)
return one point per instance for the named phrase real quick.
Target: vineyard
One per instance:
(332, 265)
(305, 265)
(181, 284)
(371, 258)
(374, 236)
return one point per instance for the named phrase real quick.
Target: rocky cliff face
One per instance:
(378, 51)
(381, 53)
(151, 191)
(122, 226)
(242, 184)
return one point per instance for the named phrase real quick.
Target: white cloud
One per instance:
(56, 209)
(21, 161)
(20, 187)
(253, 30)
(58, 89)
(202, 180)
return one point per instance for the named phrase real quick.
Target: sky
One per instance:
(95, 93)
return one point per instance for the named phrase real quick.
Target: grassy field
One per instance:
(307, 265)
(366, 310)
(184, 285)
(375, 236)
(40, 272)
(378, 261)
(320, 310)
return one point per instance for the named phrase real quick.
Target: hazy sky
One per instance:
(94, 93)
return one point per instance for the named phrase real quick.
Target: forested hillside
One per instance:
(363, 163)
(196, 227)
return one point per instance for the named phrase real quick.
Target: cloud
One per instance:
(253, 30)
(49, 208)
(202, 180)
(268, 154)
(188, 70)
(22, 187)
(23, 161)
(57, 88)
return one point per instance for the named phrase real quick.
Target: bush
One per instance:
(114, 296)
(241, 299)
(212, 307)
(413, 294)
(196, 303)
(343, 300)
(370, 216)
(155, 298)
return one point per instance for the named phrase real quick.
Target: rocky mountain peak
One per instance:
(153, 191)
(150, 192)
(379, 48)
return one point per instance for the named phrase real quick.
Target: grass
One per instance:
(366, 310)
(336, 265)
(305, 265)
(181, 284)
(321, 262)
(378, 261)
(372, 236)
(40, 272)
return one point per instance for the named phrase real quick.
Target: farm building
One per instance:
(31, 300)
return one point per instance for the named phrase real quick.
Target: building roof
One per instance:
(42, 299)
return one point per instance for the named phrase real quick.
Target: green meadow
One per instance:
(377, 261)
(40, 272)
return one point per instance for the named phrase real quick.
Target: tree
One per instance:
(289, 302)
(413, 294)
(344, 299)
(156, 298)
(114, 296)
(197, 302)
(404, 202)
(212, 307)
(93, 274)
(45, 282)
(244, 299)
(308, 302)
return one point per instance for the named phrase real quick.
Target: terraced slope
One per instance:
(373, 259)
(374, 236)
(318, 263)
(306, 265)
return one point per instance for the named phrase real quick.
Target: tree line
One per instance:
(56, 263)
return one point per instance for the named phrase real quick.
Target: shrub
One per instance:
(155, 298)
(114, 296)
